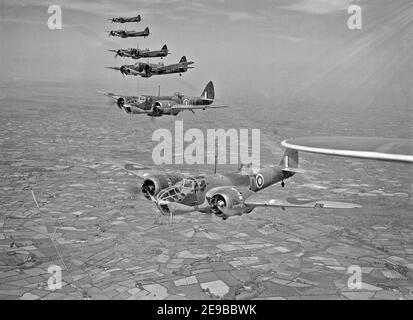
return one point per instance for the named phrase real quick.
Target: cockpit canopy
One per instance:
(187, 183)
(182, 188)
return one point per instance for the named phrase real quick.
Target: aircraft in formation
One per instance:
(157, 106)
(124, 19)
(135, 53)
(386, 149)
(225, 195)
(129, 34)
(147, 70)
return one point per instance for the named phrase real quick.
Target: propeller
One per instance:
(147, 68)
(218, 203)
(117, 52)
(134, 191)
(120, 102)
(110, 102)
(124, 71)
(221, 204)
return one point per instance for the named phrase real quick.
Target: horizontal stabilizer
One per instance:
(295, 170)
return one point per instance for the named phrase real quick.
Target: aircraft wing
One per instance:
(134, 168)
(137, 169)
(113, 68)
(258, 201)
(111, 95)
(182, 107)
(130, 108)
(116, 97)
(388, 149)
(296, 170)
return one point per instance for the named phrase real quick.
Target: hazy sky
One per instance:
(273, 48)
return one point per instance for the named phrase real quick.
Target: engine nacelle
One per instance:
(226, 202)
(121, 102)
(152, 185)
(124, 70)
(147, 68)
(161, 107)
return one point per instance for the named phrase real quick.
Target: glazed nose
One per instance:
(162, 195)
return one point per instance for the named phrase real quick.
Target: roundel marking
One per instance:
(259, 179)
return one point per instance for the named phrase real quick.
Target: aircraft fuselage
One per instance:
(194, 191)
(147, 102)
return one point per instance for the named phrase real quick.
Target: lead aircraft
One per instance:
(225, 195)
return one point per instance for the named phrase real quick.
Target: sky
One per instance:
(272, 49)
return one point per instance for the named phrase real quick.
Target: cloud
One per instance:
(203, 10)
(321, 6)
(298, 39)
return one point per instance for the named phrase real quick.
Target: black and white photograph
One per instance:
(223, 153)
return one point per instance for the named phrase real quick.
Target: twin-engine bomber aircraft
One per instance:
(147, 70)
(129, 34)
(124, 20)
(225, 195)
(135, 53)
(157, 106)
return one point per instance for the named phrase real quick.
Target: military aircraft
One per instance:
(386, 149)
(147, 70)
(129, 34)
(123, 19)
(225, 195)
(157, 106)
(135, 53)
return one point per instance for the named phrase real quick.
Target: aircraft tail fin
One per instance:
(289, 159)
(147, 29)
(139, 17)
(209, 92)
(164, 48)
(183, 60)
